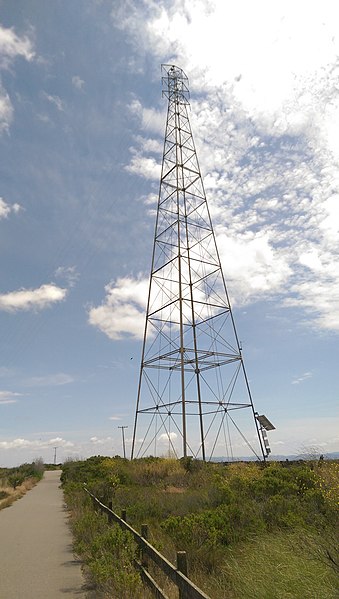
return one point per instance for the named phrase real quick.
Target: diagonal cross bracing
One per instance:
(192, 372)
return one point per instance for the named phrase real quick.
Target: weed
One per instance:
(15, 482)
(249, 531)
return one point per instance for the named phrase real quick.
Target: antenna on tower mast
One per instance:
(193, 391)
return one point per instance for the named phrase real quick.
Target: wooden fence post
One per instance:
(144, 534)
(177, 574)
(182, 567)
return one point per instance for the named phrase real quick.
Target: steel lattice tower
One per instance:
(192, 378)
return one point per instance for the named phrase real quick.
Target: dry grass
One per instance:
(174, 490)
(14, 494)
(249, 532)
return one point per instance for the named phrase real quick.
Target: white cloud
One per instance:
(60, 441)
(265, 127)
(167, 436)
(78, 82)
(263, 270)
(50, 380)
(35, 444)
(270, 48)
(150, 119)
(123, 312)
(7, 397)
(102, 441)
(32, 299)
(330, 224)
(304, 377)
(320, 300)
(55, 100)
(311, 259)
(6, 110)
(150, 145)
(145, 167)
(7, 209)
(114, 418)
(68, 274)
(12, 46)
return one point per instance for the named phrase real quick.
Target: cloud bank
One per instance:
(264, 123)
(35, 444)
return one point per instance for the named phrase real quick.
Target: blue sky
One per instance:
(81, 129)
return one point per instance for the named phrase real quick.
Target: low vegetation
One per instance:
(15, 482)
(249, 531)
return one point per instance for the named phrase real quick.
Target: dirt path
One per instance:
(36, 557)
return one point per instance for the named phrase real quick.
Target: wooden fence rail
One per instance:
(178, 575)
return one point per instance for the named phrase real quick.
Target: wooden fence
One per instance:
(178, 575)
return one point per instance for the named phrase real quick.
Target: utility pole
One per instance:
(123, 439)
(55, 454)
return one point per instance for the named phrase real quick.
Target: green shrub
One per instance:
(281, 512)
(224, 516)
(107, 550)
(201, 533)
(275, 480)
(111, 561)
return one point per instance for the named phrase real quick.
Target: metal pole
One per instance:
(55, 450)
(123, 439)
(180, 184)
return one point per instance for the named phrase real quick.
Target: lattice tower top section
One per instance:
(174, 84)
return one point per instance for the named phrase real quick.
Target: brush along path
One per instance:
(36, 557)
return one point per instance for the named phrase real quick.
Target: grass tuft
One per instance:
(249, 531)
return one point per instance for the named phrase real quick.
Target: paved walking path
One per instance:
(36, 557)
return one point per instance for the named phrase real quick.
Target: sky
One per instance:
(82, 122)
